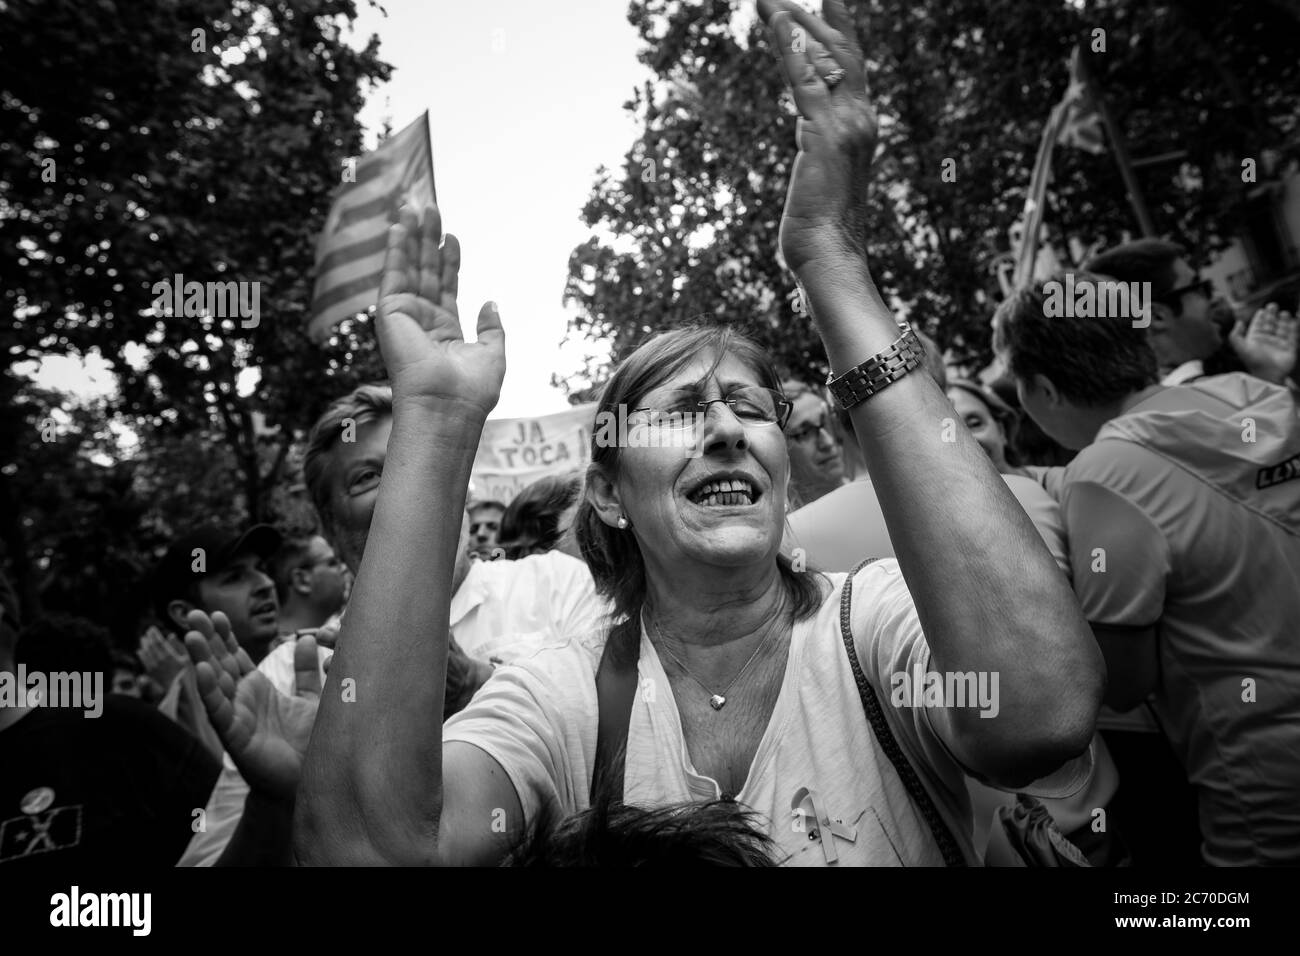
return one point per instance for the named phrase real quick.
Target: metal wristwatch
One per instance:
(878, 372)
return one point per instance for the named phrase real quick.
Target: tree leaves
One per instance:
(215, 163)
(970, 80)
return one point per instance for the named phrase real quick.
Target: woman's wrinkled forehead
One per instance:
(701, 373)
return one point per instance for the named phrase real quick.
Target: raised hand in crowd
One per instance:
(168, 664)
(826, 203)
(1009, 610)
(418, 325)
(395, 642)
(1267, 343)
(163, 657)
(264, 731)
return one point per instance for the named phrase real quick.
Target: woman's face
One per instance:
(977, 417)
(816, 458)
(662, 489)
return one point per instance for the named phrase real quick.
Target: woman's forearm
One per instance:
(371, 787)
(989, 595)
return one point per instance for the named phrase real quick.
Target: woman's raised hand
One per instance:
(418, 326)
(825, 208)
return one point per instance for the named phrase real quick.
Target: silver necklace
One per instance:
(718, 700)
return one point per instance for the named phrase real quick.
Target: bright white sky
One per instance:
(525, 101)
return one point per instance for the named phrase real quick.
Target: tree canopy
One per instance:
(692, 216)
(147, 140)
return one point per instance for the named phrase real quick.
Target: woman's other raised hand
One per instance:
(825, 207)
(418, 326)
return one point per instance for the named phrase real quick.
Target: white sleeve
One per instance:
(220, 818)
(577, 609)
(513, 720)
(892, 647)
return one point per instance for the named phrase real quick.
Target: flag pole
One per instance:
(1121, 152)
(1036, 198)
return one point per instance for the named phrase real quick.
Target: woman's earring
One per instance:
(622, 522)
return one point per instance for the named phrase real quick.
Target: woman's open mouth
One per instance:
(729, 492)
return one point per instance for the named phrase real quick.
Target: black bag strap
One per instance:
(615, 691)
(952, 855)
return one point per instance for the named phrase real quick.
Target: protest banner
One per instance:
(515, 452)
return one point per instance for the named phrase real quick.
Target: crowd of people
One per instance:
(873, 622)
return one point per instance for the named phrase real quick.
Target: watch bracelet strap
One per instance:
(878, 372)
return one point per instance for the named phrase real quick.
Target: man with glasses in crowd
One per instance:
(1189, 322)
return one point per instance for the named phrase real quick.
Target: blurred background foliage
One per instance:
(693, 214)
(142, 140)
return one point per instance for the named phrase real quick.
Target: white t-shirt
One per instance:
(538, 719)
(540, 596)
(503, 607)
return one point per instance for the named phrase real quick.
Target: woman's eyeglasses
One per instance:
(752, 404)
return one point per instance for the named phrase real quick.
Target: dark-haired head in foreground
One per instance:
(1072, 374)
(612, 834)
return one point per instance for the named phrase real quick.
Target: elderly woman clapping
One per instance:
(743, 685)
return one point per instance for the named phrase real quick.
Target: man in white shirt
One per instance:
(500, 610)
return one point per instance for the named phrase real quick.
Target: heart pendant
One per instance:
(716, 701)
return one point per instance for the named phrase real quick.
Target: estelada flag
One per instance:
(350, 250)
(1083, 126)
(1069, 120)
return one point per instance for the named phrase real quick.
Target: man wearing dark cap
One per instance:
(217, 569)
